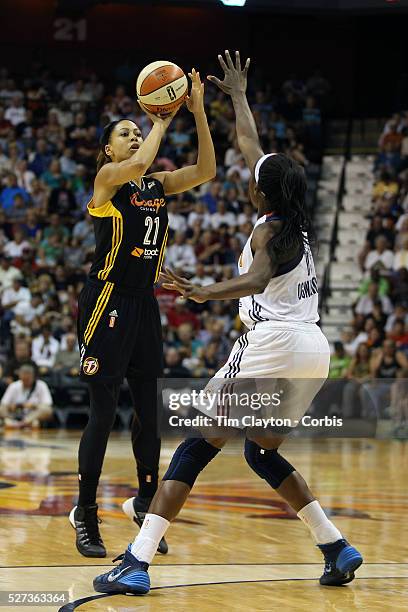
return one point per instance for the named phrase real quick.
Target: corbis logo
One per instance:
(91, 366)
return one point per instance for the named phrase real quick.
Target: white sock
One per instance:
(323, 530)
(146, 542)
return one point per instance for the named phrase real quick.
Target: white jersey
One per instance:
(291, 295)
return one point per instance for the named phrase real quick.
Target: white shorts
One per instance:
(286, 358)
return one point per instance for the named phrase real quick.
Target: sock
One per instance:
(146, 542)
(323, 530)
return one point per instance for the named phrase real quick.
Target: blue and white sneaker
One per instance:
(129, 577)
(341, 561)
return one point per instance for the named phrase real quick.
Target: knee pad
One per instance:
(189, 459)
(268, 464)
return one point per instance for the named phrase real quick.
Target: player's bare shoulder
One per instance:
(264, 232)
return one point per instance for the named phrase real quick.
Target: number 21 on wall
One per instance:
(69, 30)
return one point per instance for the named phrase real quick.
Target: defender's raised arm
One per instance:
(234, 84)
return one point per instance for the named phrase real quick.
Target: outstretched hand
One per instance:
(195, 101)
(174, 282)
(235, 78)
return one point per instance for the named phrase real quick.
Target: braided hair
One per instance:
(283, 183)
(103, 141)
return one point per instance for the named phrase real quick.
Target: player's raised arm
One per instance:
(253, 282)
(128, 154)
(235, 84)
(205, 169)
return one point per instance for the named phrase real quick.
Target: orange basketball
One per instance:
(161, 87)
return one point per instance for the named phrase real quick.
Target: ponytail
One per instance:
(102, 158)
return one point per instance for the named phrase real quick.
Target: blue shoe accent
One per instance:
(348, 560)
(129, 577)
(341, 561)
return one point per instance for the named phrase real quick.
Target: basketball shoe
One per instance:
(341, 561)
(85, 521)
(129, 577)
(136, 508)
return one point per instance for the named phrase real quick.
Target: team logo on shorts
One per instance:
(91, 366)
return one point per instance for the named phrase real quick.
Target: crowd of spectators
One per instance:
(49, 131)
(371, 363)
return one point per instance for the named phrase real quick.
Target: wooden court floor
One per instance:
(236, 546)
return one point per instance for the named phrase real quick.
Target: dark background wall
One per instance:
(365, 56)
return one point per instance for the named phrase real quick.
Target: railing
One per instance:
(325, 291)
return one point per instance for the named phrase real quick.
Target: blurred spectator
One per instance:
(180, 255)
(16, 213)
(15, 294)
(179, 313)
(232, 155)
(399, 334)
(388, 160)
(44, 350)
(366, 302)
(339, 361)
(15, 248)
(401, 256)
(358, 372)
(201, 278)
(386, 185)
(22, 355)
(210, 198)
(400, 313)
(10, 191)
(173, 367)
(199, 213)
(223, 217)
(8, 272)
(41, 158)
(177, 222)
(375, 277)
(384, 367)
(68, 164)
(53, 176)
(16, 112)
(381, 257)
(25, 177)
(178, 138)
(26, 402)
(67, 360)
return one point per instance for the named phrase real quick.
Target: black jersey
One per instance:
(131, 233)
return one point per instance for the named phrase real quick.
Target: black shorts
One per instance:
(119, 333)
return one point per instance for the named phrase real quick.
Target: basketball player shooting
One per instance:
(119, 328)
(278, 296)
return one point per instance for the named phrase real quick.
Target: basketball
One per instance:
(161, 87)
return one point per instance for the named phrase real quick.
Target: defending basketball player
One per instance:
(119, 328)
(278, 303)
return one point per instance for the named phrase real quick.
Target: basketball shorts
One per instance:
(119, 333)
(273, 372)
